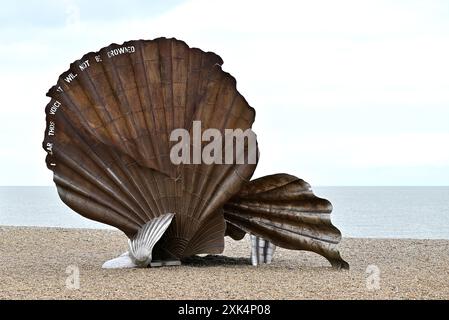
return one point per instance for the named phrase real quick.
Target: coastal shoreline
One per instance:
(39, 263)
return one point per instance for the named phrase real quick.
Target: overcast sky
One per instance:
(346, 92)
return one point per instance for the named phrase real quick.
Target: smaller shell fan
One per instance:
(282, 208)
(108, 140)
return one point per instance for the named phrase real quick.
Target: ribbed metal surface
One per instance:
(281, 209)
(141, 246)
(109, 124)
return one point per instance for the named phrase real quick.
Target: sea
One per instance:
(362, 212)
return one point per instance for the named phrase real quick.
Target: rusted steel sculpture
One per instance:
(108, 139)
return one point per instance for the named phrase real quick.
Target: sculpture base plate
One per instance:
(164, 263)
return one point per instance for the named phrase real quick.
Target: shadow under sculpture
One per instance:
(108, 130)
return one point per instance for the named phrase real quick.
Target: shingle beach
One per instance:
(36, 262)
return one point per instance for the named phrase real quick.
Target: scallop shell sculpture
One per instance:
(108, 144)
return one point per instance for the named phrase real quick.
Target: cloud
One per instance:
(335, 84)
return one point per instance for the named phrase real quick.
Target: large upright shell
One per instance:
(107, 138)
